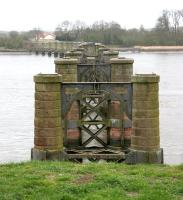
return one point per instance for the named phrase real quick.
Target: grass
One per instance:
(71, 181)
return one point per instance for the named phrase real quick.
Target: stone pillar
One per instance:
(48, 133)
(145, 140)
(97, 46)
(100, 52)
(109, 55)
(121, 69)
(91, 60)
(67, 67)
(75, 55)
(115, 132)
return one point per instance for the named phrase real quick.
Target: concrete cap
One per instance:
(145, 78)
(99, 45)
(79, 49)
(121, 60)
(66, 61)
(86, 44)
(47, 78)
(103, 49)
(108, 53)
(90, 58)
(73, 53)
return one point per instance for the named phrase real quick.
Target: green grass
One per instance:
(71, 181)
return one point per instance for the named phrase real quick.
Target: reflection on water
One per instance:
(17, 101)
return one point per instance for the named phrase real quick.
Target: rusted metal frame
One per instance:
(93, 122)
(119, 156)
(122, 123)
(100, 150)
(71, 98)
(65, 141)
(82, 85)
(108, 117)
(93, 109)
(97, 115)
(109, 149)
(89, 105)
(94, 135)
(80, 137)
(99, 71)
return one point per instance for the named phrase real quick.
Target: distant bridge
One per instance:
(57, 48)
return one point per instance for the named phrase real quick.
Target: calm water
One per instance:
(17, 101)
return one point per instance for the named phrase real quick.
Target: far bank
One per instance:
(113, 47)
(150, 48)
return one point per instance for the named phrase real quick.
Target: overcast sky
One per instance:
(24, 15)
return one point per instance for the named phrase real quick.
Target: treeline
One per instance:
(168, 30)
(15, 39)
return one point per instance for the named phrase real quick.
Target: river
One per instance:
(17, 101)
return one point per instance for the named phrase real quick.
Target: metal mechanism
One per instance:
(95, 119)
(94, 73)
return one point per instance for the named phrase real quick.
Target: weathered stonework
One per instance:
(145, 140)
(116, 137)
(107, 55)
(93, 118)
(73, 133)
(121, 69)
(100, 51)
(75, 55)
(67, 67)
(48, 133)
(91, 60)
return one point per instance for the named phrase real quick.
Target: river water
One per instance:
(17, 101)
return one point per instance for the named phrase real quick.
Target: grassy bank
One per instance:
(65, 181)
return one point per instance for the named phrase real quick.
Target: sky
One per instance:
(23, 15)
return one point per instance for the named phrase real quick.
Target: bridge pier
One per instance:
(99, 107)
(145, 140)
(67, 67)
(48, 132)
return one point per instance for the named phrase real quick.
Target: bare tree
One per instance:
(175, 19)
(163, 22)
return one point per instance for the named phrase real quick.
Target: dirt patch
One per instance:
(181, 197)
(51, 177)
(132, 194)
(84, 179)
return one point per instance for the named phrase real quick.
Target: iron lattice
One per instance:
(94, 114)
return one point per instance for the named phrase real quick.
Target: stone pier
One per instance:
(94, 108)
(67, 67)
(121, 69)
(107, 55)
(48, 136)
(145, 140)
